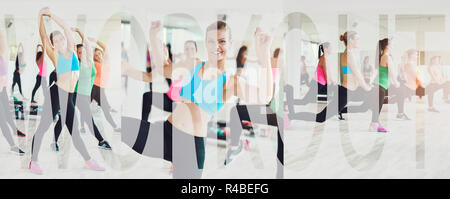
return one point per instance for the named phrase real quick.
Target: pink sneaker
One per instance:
(377, 128)
(34, 167)
(94, 166)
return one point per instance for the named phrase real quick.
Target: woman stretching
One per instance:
(353, 87)
(101, 62)
(20, 65)
(437, 81)
(409, 83)
(172, 95)
(181, 139)
(5, 108)
(274, 111)
(323, 83)
(63, 58)
(42, 70)
(83, 91)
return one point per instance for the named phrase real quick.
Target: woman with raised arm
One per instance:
(5, 108)
(101, 62)
(190, 61)
(181, 139)
(20, 65)
(42, 70)
(60, 50)
(83, 91)
(353, 87)
(252, 113)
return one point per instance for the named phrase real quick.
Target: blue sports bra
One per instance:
(206, 94)
(66, 65)
(347, 70)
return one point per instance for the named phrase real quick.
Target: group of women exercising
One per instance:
(198, 89)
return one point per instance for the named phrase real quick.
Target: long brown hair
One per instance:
(381, 46)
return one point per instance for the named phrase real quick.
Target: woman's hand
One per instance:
(262, 46)
(45, 12)
(155, 28)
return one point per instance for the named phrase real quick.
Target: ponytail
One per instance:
(320, 51)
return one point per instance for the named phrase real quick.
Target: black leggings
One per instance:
(63, 101)
(243, 112)
(310, 96)
(98, 94)
(53, 78)
(36, 86)
(162, 140)
(341, 102)
(154, 98)
(16, 80)
(83, 103)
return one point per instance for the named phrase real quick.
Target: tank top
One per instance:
(42, 69)
(206, 94)
(320, 76)
(86, 79)
(383, 77)
(65, 65)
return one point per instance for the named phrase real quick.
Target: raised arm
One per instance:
(21, 57)
(67, 31)
(104, 49)
(157, 46)
(43, 34)
(84, 58)
(238, 86)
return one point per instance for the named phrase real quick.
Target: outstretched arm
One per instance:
(238, 86)
(67, 32)
(43, 34)
(158, 47)
(84, 58)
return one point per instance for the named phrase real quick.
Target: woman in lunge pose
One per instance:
(181, 139)
(353, 88)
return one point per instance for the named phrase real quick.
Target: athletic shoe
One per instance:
(433, 110)
(232, 153)
(104, 145)
(34, 167)
(340, 117)
(94, 166)
(402, 116)
(16, 150)
(54, 147)
(20, 133)
(377, 128)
